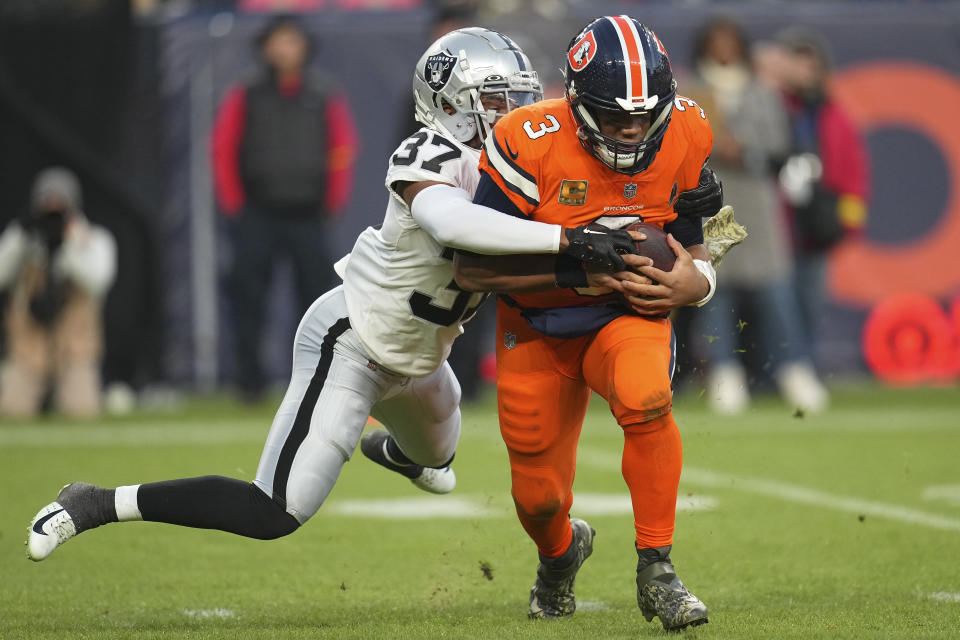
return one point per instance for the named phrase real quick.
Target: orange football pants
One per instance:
(543, 388)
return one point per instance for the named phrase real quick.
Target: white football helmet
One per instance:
(460, 68)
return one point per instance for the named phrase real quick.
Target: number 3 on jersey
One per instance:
(542, 127)
(681, 104)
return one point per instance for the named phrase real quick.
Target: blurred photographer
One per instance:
(825, 178)
(56, 268)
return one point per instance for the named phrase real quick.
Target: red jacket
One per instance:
(845, 167)
(227, 137)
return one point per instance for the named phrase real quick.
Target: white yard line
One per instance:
(602, 504)
(945, 596)
(207, 614)
(467, 506)
(425, 507)
(785, 491)
(949, 493)
(815, 497)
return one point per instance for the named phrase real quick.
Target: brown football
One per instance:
(655, 246)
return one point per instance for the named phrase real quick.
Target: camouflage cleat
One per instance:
(552, 594)
(661, 593)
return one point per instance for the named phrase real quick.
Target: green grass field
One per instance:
(845, 525)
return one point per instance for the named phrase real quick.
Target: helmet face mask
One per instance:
(470, 78)
(617, 67)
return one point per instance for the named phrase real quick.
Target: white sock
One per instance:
(125, 502)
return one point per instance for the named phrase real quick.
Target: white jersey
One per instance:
(398, 280)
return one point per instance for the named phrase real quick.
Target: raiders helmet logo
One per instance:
(582, 52)
(437, 70)
(629, 190)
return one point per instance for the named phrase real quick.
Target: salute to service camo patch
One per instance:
(573, 192)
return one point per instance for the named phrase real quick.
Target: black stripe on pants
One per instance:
(301, 424)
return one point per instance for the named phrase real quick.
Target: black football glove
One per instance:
(705, 200)
(598, 245)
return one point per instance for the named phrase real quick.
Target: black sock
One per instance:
(564, 560)
(445, 464)
(393, 450)
(647, 556)
(89, 506)
(398, 456)
(216, 502)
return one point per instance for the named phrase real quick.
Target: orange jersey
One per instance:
(535, 157)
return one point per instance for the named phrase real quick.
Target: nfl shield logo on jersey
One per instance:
(629, 190)
(509, 340)
(438, 69)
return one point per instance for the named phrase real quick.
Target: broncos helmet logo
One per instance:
(582, 52)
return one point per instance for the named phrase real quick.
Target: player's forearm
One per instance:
(507, 274)
(698, 252)
(447, 214)
(708, 276)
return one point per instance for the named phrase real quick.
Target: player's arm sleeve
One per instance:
(447, 214)
(687, 230)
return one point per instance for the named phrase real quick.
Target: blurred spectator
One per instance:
(825, 178)
(283, 152)
(57, 267)
(751, 134)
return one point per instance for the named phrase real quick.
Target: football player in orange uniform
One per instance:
(622, 146)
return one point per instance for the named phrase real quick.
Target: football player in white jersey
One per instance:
(377, 344)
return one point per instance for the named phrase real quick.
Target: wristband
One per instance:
(569, 273)
(706, 268)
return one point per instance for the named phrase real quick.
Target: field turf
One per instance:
(844, 525)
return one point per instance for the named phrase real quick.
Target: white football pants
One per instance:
(333, 389)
